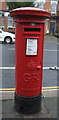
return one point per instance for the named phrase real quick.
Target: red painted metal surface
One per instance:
(29, 25)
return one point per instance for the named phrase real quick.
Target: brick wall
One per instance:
(6, 22)
(4, 6)
(0, 5)
(47, 6)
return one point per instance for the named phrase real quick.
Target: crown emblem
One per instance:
(32, 65)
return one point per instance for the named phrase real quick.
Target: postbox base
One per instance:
(28, 105)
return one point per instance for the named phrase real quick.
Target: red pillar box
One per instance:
(29, 57)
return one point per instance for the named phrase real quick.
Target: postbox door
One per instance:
(29, 60)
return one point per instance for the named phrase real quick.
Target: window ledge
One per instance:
(53, 13)
(10, 27)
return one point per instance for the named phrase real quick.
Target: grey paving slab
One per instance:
(50, 93)
(6, 96)
(54, 113)
(10, 112)
(0, 110)
(0, 117)
(50, 104)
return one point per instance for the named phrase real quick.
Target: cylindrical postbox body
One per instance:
(29, 57)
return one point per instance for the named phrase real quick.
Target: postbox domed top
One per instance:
(30, 11)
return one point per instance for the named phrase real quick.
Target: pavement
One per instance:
(49, 109)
